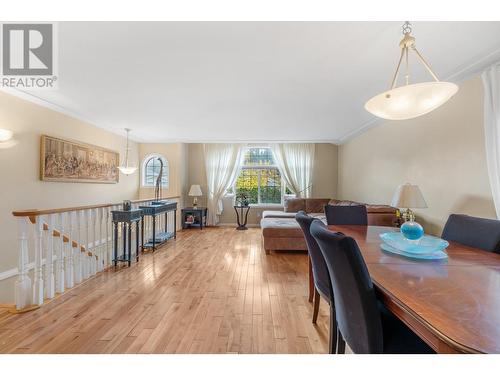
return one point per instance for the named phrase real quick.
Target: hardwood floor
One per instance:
(210, 291)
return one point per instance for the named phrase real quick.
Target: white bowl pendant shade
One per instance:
(126, 168)
(411, 100)
(406, 102)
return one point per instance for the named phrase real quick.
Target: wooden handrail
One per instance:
(32, 213)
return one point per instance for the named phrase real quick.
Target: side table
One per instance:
(199, 214)
(127, 219)
(153, 210)
(242, 216)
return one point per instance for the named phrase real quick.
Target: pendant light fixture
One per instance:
(411, 100)
(126, 168)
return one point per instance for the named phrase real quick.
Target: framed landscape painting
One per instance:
(70, 161)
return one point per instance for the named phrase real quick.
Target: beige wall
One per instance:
(324, 180)
(20, 186)
(443, 152)
(325, 172)
(196, 172)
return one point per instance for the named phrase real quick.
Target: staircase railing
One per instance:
(68, 246)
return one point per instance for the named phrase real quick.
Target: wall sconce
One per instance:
(6, 139)
(6, 135)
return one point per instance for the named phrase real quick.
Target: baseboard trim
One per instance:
(14, 272)
(236, 224)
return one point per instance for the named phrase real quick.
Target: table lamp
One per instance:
(195, 191)
(409, 196)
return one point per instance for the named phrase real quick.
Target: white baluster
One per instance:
(86, 260)
(109, 230)
(92, 262)
(23, 291)
(92, 222)
(70, 270)
(97, 244)
(92, 243)
(89, 243)
(82, 243)
(38, 282)
(101, 247)
(60, 255)
(49, 259)
(97, 240)
(77, 250)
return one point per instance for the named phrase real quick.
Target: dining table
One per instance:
(453, 304)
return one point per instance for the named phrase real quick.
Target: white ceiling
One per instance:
(248, 81)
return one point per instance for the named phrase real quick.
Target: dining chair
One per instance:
(346, 215)
(473, 231)
(362, 320)
(322, 282)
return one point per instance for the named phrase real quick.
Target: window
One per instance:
(260, 179)
(151, 169)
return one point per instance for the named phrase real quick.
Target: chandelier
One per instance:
(410, 100)
(126, 168)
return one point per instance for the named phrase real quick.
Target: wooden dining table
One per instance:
(452, 304)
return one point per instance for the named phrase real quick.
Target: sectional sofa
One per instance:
(280, 231)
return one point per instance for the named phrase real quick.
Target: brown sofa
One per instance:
(280, 231)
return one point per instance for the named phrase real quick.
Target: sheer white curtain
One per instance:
(295, 162)
(222, 163)
(491, 84)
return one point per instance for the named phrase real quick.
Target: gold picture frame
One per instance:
(65, 160)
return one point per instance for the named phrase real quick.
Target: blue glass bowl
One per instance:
(436, 255)
(425, 245)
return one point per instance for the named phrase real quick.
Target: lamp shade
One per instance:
(408, 196)
(127, 170)
(195, 191)
(411, 101)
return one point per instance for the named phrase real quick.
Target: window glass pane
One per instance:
(257, 156)
(260, 185)
(248, 184)
(152, 170)
(270, 186)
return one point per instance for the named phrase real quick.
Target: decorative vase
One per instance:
(412, 230)
(127, 205)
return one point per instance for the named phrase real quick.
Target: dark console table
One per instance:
(242, 216)
(199, 214)
(127, 219)
(154, 209)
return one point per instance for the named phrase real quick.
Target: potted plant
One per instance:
(242, 199)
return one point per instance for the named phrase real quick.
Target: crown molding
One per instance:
(33, 98)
